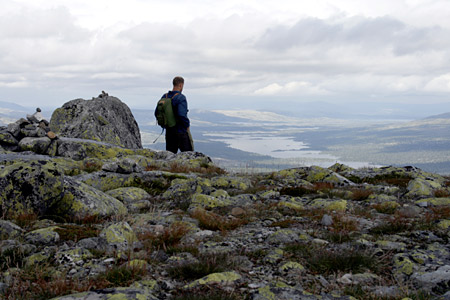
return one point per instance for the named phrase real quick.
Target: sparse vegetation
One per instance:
(206, 293)
(169, 237)
(393, 225)
(176, 167)
(204, 265)
(122, 275)
(212, 221)
(322, 260)
(25, 220)
(76, 232)
(360, 194)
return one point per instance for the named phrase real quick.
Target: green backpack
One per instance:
(164, 112)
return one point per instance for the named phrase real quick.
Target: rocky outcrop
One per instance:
(105, 119)
(31, 134)
(105, 222)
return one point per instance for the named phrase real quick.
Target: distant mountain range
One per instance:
(275, 139)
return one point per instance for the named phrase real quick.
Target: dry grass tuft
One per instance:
(212, 221)
(170, 237)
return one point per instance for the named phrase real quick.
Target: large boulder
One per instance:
(102, 119)
(40, 187)
(34, 186)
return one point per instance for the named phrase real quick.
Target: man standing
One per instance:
(179, 136)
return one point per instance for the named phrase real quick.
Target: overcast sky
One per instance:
(229, 51)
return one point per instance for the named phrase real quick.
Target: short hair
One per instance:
(178, 80)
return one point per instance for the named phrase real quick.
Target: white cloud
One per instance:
(439, 84)
(254, 48)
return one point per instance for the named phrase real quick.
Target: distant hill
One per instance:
(440, 116)
(12, 106)
(10, 112)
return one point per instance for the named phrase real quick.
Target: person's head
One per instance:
(178, 83)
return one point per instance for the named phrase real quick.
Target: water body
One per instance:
(284, 149)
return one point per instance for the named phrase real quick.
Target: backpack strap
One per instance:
(167, 95)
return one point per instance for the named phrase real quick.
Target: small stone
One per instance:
(327, 220)
(237, 212)
(345, 279)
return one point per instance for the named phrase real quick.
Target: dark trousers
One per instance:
(176, 140)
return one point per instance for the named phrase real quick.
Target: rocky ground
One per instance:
(83, 219)
(116, 223)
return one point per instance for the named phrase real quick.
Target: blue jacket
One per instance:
(180, 110)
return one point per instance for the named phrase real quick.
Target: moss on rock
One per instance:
(30, 186)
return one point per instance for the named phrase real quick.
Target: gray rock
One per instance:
(109, 120)
(9, 230)
(7, 138)
(437, 281)
(44, 236)
(283, 236)
(75, 151)
(37, 145)
(94, 243)
(15, 248)
(33, 131)
(123, 166)
(14, 129)
(125, 293)
(327, 220)
(82, 200)
(30, 186)
(387, 292)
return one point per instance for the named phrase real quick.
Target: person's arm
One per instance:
(181, 111)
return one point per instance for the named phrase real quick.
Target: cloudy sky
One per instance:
(229, 51)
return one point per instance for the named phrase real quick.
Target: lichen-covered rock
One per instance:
(120, 293)
(82, 200)
(120, 237)
(38, 145)
(230, 182)
(7, 138)
(129, 194)
(44, 236)
(71, 258)
(434, 202)
(318, 174)
(403, 265)
(223, 279)
(283, 236)
(282, 291)
(183, 189)
(123, 166)
(101, 119)
(436, 281)
(205, 201)
(134, 198)
(291, 266)
(34, 186)
(193, 159)
(79, 149)
(331, 205)
(420, 187)
(153, 182)
(10, 230)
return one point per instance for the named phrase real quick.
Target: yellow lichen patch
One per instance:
(435, 201)
(403, 264)
(138, 264)
(224, 278)
(205, 201)
(331, 205)
(291, 266)
(119, 233)
(444, 224)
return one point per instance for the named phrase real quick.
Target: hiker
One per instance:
(178, 136)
